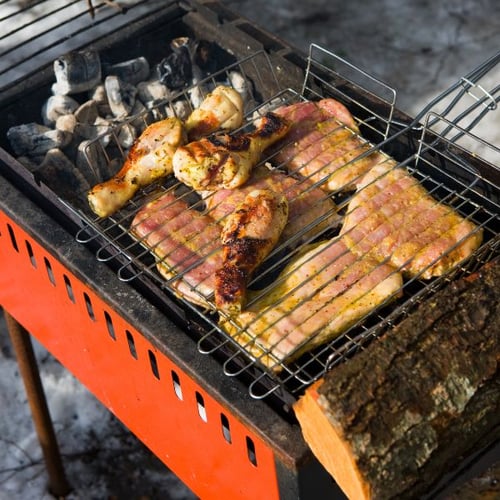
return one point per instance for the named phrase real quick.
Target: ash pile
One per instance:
(97, 111)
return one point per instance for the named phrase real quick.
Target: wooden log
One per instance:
(400, 414)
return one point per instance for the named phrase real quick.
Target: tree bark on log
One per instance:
(400, 414)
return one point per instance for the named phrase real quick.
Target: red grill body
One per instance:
(204, 427)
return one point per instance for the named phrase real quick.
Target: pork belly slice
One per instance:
(392, 217)
(185, 243)
(248, 236)
(318, 296)
(309, 124)
(315, 111)
(310, 211)
(324, 144)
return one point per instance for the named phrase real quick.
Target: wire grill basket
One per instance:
(428, 148)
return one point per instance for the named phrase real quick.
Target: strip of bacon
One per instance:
(392, 217)
(186, 244)
(324, 144)
(318, 296)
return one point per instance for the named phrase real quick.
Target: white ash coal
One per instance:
(77, 72)
(97, 110)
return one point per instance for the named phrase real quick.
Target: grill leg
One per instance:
(21, 342)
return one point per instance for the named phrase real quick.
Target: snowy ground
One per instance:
(417, 47)
(102, 459)
(421, 48)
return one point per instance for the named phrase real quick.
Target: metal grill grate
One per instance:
(36, 32)
(436, 161)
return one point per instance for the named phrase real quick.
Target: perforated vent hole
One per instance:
(154, 364)
(109, 325)
(177, 385)
(131, 344)
(200, 403)
(226, 431)
(69, 289)
(29, 248)
(50, 273)
(251, 451)
(88, 305)
(12, 238)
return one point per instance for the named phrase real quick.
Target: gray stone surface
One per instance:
(419, 47)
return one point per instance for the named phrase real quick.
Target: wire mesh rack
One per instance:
(435, 160)
(35, 33)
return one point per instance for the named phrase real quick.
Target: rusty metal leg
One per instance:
(21, 341)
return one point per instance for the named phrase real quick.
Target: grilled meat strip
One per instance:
(221, 109)
(248, 235)
(149, 159)
(185, 242)
(324, 144)
(319, 295)
(393, 217)
(310, 211)
(226, 161)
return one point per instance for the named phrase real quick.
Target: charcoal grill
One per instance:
(191, 393)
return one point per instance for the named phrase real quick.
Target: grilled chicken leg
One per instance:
(149, 159)
(226, 161)
(221, 109)
(248, 236)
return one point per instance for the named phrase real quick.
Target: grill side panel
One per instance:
(207, 441)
